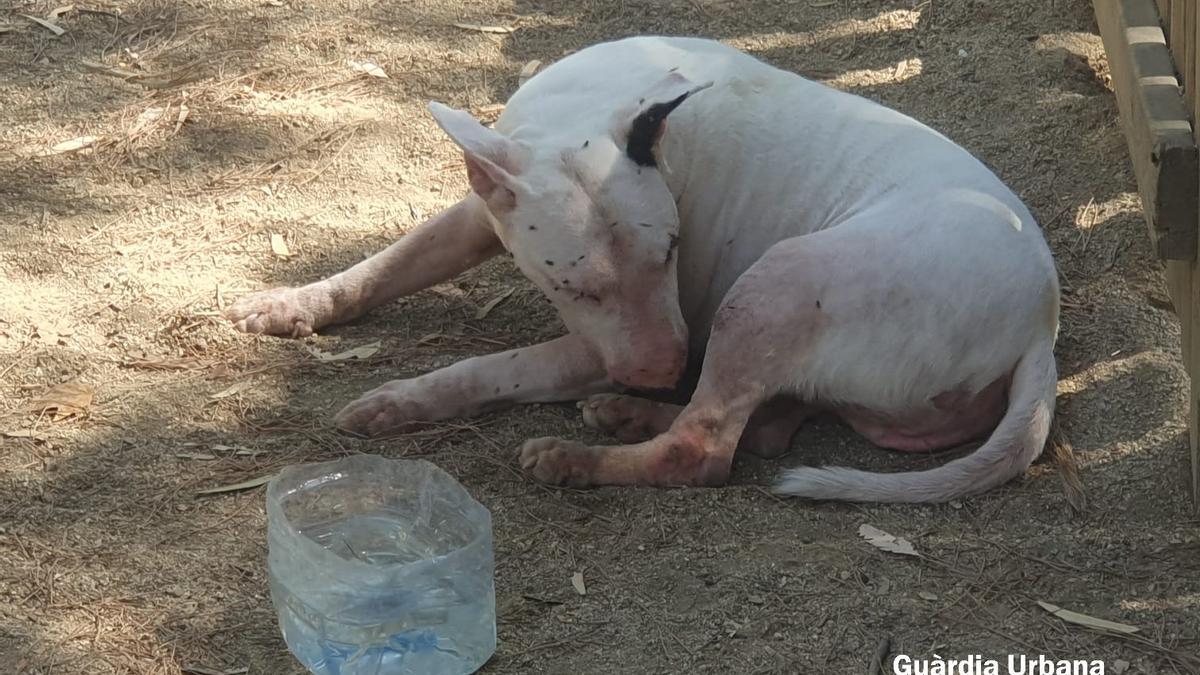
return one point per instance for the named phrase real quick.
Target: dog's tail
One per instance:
(1012, 447)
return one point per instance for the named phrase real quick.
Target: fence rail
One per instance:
(1153, 49)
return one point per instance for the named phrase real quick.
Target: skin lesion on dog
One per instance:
(674, 244)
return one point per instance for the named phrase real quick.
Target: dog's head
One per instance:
(594, 226)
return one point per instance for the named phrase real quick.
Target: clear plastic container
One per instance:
(381, 567)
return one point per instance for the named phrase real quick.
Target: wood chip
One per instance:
(244, 485)
(362, 352)
(577, 583)
(7, 27)
(58, 31)
(485, 28)
(482, 312)
(64, 400)
(278, 246)
(886, 542)
(59, 11)
(1088, 621)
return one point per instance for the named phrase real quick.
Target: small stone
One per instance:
(1119, 667)
(962, 54)
(755, 599)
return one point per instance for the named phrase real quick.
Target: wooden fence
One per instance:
(1153, 49)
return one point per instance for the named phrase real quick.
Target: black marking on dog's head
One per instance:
(646, 128)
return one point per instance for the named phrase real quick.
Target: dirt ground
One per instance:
(234, 124)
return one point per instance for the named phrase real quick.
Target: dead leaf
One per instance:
(231, 390)
(368, 68)
(244, 485)
(52, 334)
(449, 290)
(59, 11)
(105, 69)
(200, 456)
(146, 118)
(577, 582)
(431, 338)
(1088, 621)
(64, 400)
(26, 433)
(527, 71)
(53, 28)
(181, 117)
(489, 113)
(491, 304)
(484, 28)
(164, 363)
(73, 145)
(886, 542)
(278, 246)
(361, 352)
(202, 670)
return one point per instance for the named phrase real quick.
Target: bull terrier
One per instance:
(809, 249)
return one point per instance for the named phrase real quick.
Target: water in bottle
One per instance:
(381, 567)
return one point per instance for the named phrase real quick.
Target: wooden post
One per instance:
(1162, 147)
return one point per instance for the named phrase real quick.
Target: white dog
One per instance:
(814, 250)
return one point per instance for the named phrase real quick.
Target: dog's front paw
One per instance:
(558, 462)
(387, 409)
(285, 312)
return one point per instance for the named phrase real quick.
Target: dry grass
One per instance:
(218, 123)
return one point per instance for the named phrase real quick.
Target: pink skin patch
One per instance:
(953, 419)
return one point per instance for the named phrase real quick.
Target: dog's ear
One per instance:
(642, 132)
(494, 162)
